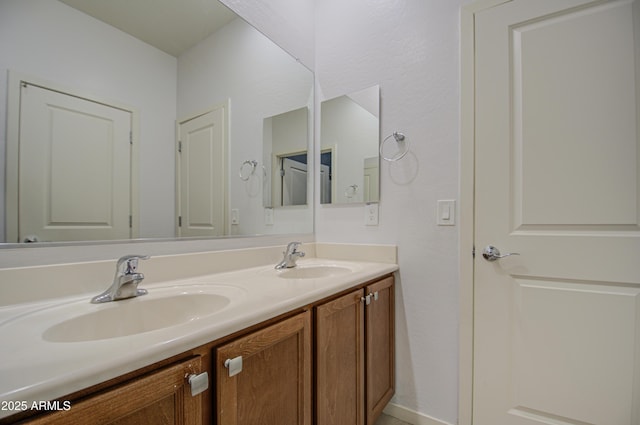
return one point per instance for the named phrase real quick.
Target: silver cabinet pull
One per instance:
(366, 299)
(491, 253)
(234, 365)
(198, 383)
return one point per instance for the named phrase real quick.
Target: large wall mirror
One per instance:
(350, 137)
(192, 102)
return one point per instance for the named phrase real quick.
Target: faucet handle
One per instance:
(128, 264)
(292, 247)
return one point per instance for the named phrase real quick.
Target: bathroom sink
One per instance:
(161, 308)
(312, 272)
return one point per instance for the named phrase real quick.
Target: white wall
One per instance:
(410, 48)
(51, 41)
(261, 80)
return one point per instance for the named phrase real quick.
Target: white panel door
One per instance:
(557, 328)
(202, 180)
(294, 182)
(74, 168)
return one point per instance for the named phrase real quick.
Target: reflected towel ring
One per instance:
(244, 176)
(351, 191)
(400, 140)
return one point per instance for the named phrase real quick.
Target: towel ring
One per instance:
(244, 176)
(400, 139)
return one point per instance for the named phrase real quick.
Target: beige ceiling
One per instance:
(172, 26)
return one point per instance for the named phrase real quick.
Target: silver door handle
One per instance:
(491, 253)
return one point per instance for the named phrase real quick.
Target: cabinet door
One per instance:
(380, 347)
(340, 361)
(163, 397)
(274, 385)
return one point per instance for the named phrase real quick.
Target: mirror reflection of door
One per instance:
(326, 177)
(293, 178)
(371, 180)
(202, 174)
(74, 180)
(285, 139)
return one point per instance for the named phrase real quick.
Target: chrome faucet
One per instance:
(125, 282)
(291, 254)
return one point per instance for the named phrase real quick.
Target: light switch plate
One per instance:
(235, 216)
(446, 212)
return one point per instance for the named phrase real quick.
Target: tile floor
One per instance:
(389, 420)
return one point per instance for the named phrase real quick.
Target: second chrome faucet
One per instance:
(291, 255)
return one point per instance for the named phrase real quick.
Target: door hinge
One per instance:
(180, 221)
(179, 147)
(281, 173)
(473, 251)
(131, 137)
(130, 221)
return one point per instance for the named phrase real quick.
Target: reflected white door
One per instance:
(202, 181)
(371, 190)
(557, 328)
(74, 168)
(325, 184)
(294, 182)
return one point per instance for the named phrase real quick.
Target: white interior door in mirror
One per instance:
(294, 182)
(74, 168)
(350, 123)
(202, 159)
(371, 189)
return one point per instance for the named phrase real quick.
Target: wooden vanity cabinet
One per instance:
(161, 397)
(379, 347)
(273, 386)
(355, 355)
(354, 373)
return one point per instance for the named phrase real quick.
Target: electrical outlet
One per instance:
(371, 214)
(235, 216)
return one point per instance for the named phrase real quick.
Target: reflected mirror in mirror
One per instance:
(285, 155)
(112, 158)
(349, 158)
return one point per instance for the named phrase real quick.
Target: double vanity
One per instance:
(220, 337)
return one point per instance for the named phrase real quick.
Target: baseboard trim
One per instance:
(411, 416)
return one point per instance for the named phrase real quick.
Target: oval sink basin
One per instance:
(312, 272)
(161, 308)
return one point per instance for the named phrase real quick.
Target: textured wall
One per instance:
(410, 48)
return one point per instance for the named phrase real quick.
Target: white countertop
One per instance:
(33, 369)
